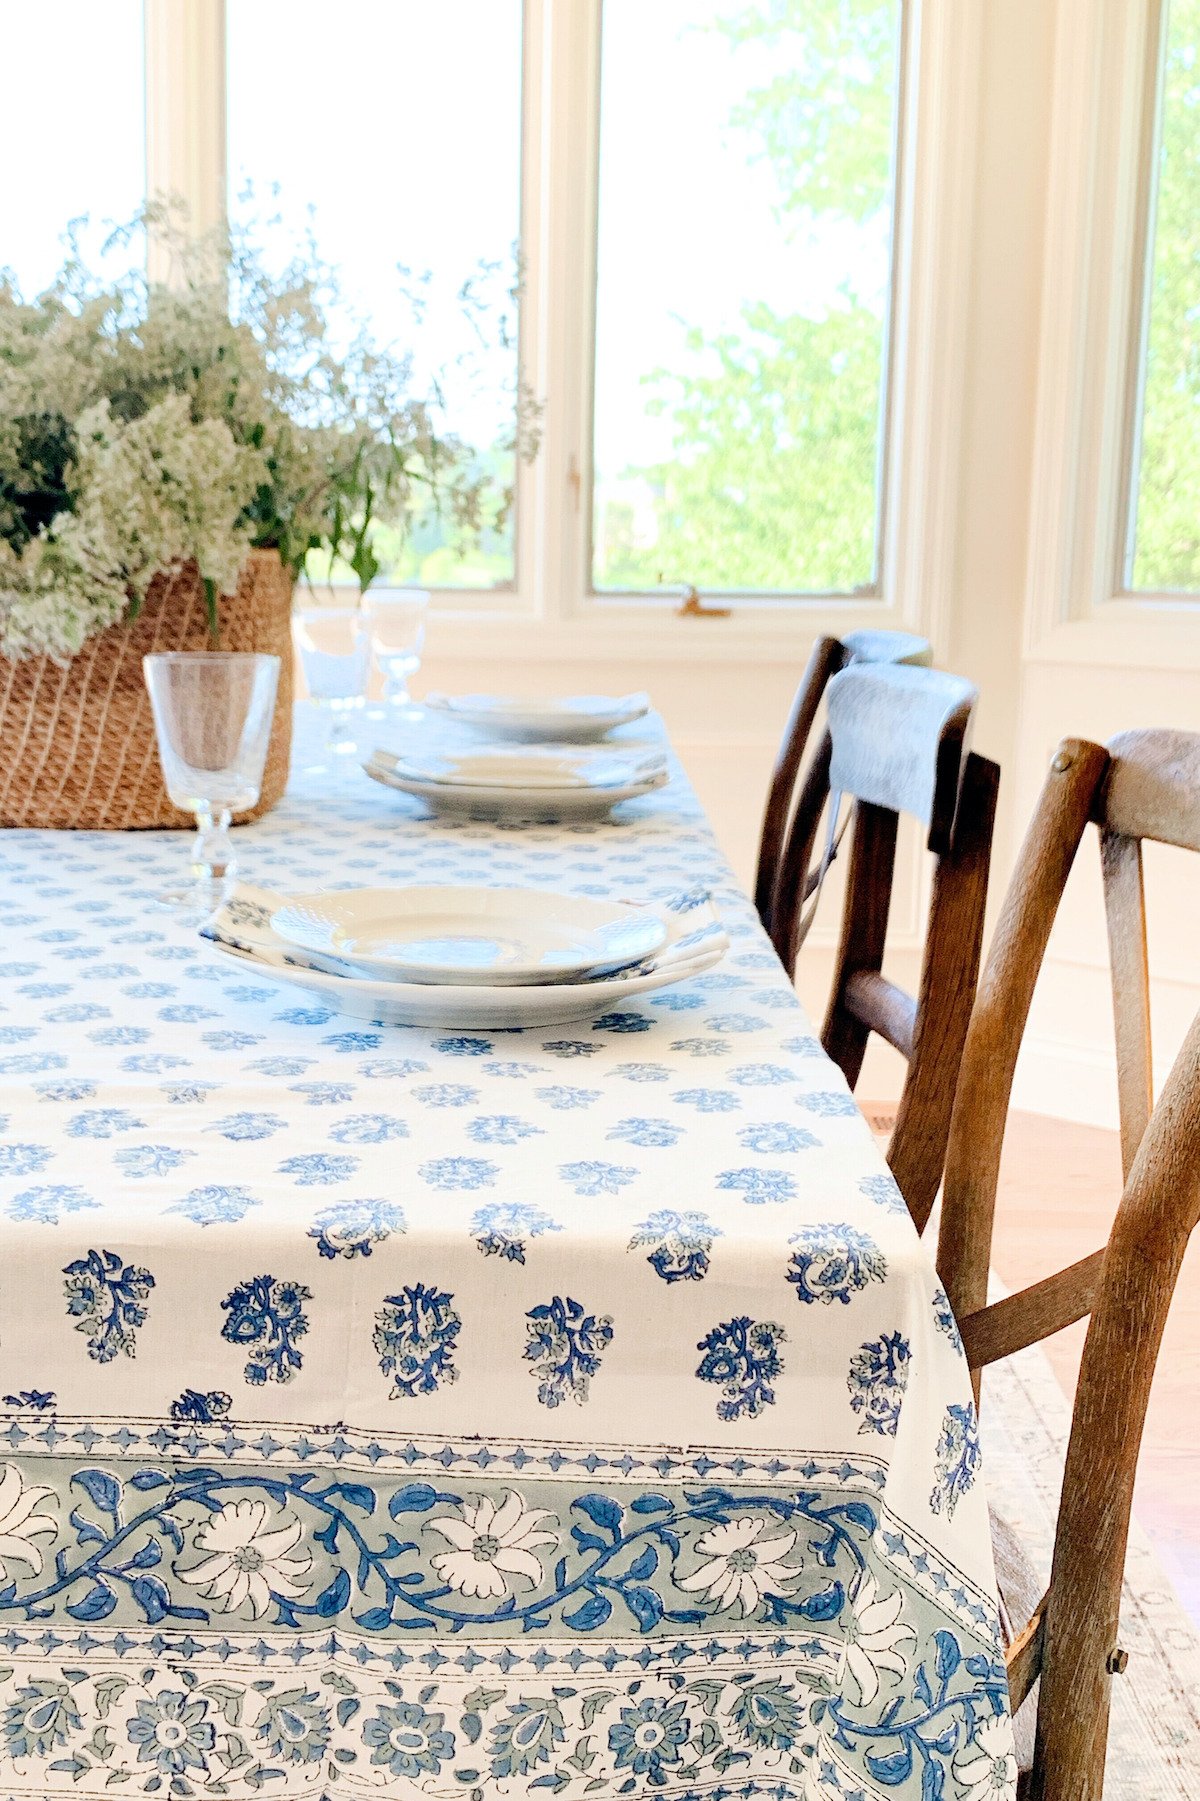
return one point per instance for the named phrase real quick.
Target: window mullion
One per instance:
(185, 113)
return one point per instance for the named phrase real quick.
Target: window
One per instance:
(72, 132)
(744, 273)
(413, 195)
(1163, 548)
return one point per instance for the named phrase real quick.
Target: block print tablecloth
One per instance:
(390, 1411)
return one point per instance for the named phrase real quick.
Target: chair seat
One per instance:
(1020, 1588)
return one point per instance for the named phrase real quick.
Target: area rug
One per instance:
(1154, 1744)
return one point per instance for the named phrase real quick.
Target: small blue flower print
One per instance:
(65, 1091)
(46, 1202)
(735, 1022)
(353, 1228)
(834, 1262)
(368, 1128)
(877, 1380)
(218, 1204)
(681, 1243)
(324, 1094)
(201, 1409)
(188, 1094)
(318, 1169)
(295, 1727)
(38, 1399)
(833, 1105)
(647, 1134)
(526, 1736)
(72, 1014)
(152, 1063)
(446, 1094)
(500, 1230)
(111, 1036)
(701, 1047)
(500, 1128)
(106, 1298)
(408, 1741)
(649, 1738)
(622, 1022)
(759, 1186)
(768, 1715)
(678, 1000)
(186, 1014)
(593, 1177)
(565, 1342)
(641, 1072)
(269, 1317)
(150, 1160)
(230, 1041)
(172, 1732)
(569, 1047)
(463, 1047)
(958, 1458)
(508, 1070)
(943, 1318)
(40, 1716)
(244, 1128)
(149, 991)
(354, 1041)
(708, 1100)
(23, 1159)
(280, 1066)
(884, 1191)
(304, 1016)
(32, 1063)
(762, 1075)
(776, 1139)
(741, 1357)
(416, 1335)
(103, 1122)
(450, 1173)
(566, 1100)
(386, 1067)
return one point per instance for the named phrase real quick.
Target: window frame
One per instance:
(937, 88)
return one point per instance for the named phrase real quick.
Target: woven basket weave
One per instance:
(77, 745)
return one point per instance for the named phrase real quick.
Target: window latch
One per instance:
(692, 607)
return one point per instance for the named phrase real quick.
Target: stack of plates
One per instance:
(469, 957)
(534, 782)
(573, 719)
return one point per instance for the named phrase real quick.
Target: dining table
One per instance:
(410, 1411)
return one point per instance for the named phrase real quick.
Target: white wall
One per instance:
(1020, 284)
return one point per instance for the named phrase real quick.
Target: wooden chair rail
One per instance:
(1033, 1313)
(882, 1007)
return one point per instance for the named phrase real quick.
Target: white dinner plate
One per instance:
(564, 719)
(695, 941)
(470, 936)
(482, 788)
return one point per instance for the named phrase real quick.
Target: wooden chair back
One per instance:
(827, 657)
(1145, 785)
(898, 744)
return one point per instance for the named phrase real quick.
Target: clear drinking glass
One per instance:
(335, 654)
(397, 626)
(213, 712)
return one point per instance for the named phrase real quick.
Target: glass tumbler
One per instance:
(213, 712)
(397, 626)
(335, 654)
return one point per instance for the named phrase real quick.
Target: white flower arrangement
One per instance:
(147, 427)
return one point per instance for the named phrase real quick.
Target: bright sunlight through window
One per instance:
(743, 292)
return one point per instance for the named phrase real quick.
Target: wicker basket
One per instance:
(77, 745)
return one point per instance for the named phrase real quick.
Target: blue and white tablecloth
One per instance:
(388, 1411)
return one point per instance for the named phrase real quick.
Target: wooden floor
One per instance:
(1058, 1189)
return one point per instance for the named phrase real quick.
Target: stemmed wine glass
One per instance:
(397, 627)
(335, 654)
(213, 712)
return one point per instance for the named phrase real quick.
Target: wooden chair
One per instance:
(898, 744)
(1145, 785)
(827, 657)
